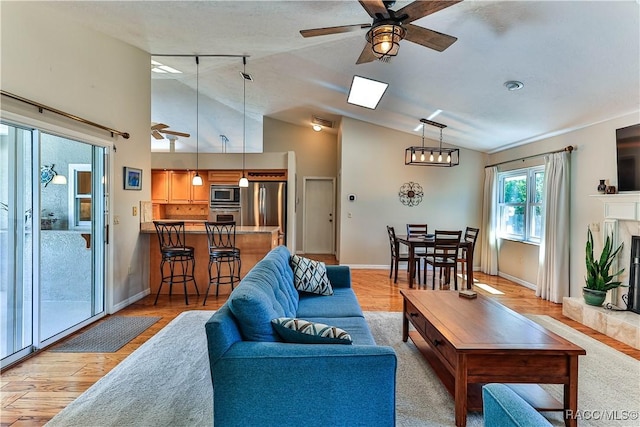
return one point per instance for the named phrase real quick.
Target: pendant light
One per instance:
(244, 182)
(197, 179)
(452, 154)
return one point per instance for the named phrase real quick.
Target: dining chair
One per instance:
(221, 238)
(397, 256)
(177, 255)
(470, 236)
(444, 255)
(419, 230)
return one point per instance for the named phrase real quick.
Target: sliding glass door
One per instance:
(53, 262)
(16, 241)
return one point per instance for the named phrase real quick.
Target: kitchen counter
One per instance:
(254, 243)
(197, 227)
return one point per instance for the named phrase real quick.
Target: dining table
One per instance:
(428, 241)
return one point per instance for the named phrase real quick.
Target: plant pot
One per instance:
(593, 297)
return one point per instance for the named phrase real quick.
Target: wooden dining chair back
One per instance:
(417, 229)
(470, 236)
(444, 256)
(397, 256)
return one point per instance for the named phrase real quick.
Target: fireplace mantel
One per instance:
(623, 206)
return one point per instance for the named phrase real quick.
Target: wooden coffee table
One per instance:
(471, 342)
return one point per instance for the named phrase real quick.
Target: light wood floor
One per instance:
(37, 389)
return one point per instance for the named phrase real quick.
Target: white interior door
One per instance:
(319, 215)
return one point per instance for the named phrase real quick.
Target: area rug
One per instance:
(166, 381)
(108, 336)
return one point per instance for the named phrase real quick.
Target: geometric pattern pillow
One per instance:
(304, 332)
(310, 276)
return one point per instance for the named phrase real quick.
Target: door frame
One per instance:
(304, 210)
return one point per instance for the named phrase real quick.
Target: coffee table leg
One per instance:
(461, 391)
(571, 394)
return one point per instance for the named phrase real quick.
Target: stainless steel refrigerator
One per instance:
(264, 203)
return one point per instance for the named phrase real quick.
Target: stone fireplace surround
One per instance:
(622, 219)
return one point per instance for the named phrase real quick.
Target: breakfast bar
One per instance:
(253, 241)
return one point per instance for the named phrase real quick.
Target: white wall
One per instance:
(372, 167)
(594, 159)
(316, 155)
(51, 60)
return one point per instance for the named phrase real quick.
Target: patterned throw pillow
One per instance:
(305, 332)
(310, 276)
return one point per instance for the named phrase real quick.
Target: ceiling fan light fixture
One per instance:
(385, 39)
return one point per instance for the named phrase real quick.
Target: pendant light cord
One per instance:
(244, 110)
(197, 109)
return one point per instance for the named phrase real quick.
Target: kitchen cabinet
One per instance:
(182, 191)
(225, 177)
(160, 186)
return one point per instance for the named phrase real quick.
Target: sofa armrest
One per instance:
(278, 384)
(502, 407)
(339, 276)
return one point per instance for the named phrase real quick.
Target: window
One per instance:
(520, 204)
(79, 196)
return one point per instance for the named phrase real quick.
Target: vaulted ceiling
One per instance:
(579, 62)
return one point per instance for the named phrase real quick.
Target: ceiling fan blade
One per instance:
(366, 55)
(159, 126)
(173, 132)
(374, 8)
(420, 9)
(333, 30)
(157, 135)
(428, 38)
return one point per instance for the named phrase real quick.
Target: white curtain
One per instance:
(553, 268)
(489, 242)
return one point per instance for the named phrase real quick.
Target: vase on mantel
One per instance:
(602, 187)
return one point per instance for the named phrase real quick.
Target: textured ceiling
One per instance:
(578, 60)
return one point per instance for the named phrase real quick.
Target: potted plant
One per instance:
(598, 280)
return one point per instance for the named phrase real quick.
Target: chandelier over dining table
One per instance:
(432, 156)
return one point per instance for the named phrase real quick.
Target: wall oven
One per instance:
(225, 214)
(224, 195)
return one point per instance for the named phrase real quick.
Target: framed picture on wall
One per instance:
(132, 178)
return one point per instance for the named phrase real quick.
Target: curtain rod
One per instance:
(187, 55)
(568, 148)
(42, 107)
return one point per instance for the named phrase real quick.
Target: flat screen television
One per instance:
(628, 152)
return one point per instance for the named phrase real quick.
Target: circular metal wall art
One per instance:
(410, 194)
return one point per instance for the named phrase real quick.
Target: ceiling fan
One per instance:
(389, 27)
(158, 129)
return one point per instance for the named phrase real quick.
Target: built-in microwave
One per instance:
(224, 195)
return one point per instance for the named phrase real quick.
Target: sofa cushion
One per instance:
(265, 293)
(343, 303)
(310, 276)
(304, 332)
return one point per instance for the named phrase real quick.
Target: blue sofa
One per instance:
(503, 407)
(260, 380)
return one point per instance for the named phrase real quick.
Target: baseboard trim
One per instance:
(130, 301)
(517, 280)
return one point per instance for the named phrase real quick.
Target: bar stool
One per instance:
(222, 249)
(172, 239)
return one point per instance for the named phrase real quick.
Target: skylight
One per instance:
(158, 67)
(366, 92)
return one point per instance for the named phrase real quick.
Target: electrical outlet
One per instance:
(135, 211)
(349, 215)
(595, 227)
(116, 219)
